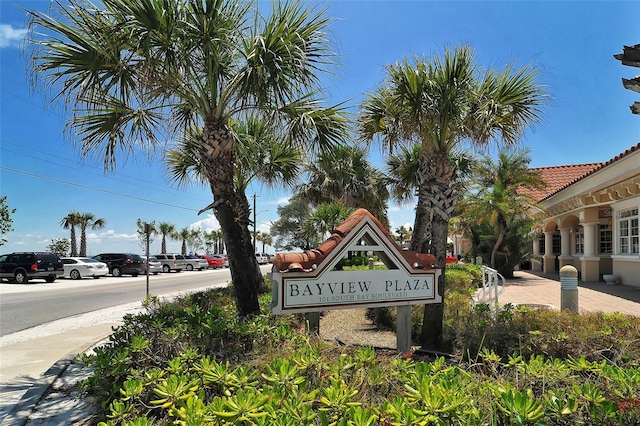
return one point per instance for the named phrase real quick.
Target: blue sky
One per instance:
(573, 43)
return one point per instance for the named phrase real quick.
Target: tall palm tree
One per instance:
(184, 234)
(265, 239)
(88, 220)
(70, 221)
(165, 229)
(442, 103)
(345, 176)
(500, 195)
(136, 71)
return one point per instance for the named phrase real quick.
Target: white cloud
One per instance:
(10, 37)
(210, 223)
(282, 201)
(111, 234)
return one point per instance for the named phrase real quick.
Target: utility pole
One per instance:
(254, 222)
(148, 228)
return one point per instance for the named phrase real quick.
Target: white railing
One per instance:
(493, 284)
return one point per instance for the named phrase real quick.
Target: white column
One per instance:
(535, 263)
(565, 242)
(565, 247)
(590, 261)
(590, 233)
(549, 257)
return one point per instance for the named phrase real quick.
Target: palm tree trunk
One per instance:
(231, 208)
(503, 231)
(83, 241)
(433, 314)
(421, 224)
(74, 243)
(439, 198)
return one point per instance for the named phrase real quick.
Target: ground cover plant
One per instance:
(192, 362)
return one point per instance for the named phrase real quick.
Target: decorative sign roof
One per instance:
(315, 280)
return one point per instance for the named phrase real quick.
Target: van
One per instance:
(172, 262)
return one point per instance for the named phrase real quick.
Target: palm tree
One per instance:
(324, 220)
(344, 175)
(166, 230)
(401, 232)
(88, 220)
(137, 71)
(500, 195)
(402, 172)
(265, 239)
(70, 221)
(184, 234)
(441, 104)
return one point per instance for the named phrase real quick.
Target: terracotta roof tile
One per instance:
(560, 177)
(309, 259)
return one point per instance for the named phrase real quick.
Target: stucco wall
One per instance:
(628, 271)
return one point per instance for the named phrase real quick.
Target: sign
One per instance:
(353, 289)
(314, 281)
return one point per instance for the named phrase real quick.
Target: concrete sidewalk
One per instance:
(30, 367)
(544, 289)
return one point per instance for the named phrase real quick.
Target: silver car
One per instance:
(154, 265)
(196, 263)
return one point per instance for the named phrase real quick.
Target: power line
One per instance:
(95, 189)
(151, 185)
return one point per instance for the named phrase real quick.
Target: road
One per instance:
(26, 306)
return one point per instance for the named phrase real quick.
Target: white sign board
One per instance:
(353, 289)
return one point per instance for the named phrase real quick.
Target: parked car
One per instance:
(122, 263)
(262, 258)
(213, 261)
(21, 267)
(154, 265)
(81, 267)
(224, 258)
(172, 262)
(451, 259)
(194, 262)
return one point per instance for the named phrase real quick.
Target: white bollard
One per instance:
(569, 288)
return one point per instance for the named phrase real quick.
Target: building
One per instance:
(590, 219)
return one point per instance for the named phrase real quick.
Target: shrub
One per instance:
(191, 361)
(289, 378)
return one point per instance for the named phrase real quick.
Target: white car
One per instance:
(196, 263)
(262, 258)
(81, 267)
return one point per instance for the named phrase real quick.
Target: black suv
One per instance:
(24, 266)
(122, 263)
